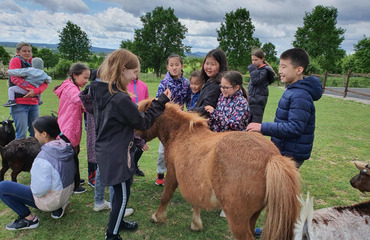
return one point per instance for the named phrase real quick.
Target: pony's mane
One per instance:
(193, 118)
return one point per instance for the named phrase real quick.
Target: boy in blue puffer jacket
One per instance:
(293, 128)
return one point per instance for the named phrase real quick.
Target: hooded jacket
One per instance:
(52, 175)
(70, 111)
(116, 117)
(258, 91)
(293, 128)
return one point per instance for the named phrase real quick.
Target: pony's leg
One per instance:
(196, 223)
(240, 227)
(169, 188)
(254, 220)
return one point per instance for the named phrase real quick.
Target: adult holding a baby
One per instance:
(27, 108)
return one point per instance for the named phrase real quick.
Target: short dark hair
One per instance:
(48, 124)
(175, 56)
(298, 57)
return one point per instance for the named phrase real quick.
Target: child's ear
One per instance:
(300, 70)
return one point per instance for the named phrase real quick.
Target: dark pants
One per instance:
(119, 203)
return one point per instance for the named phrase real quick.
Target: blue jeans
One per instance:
(100, 189)
(17, 196)
(23, 116)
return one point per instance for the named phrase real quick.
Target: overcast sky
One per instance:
(109, 22)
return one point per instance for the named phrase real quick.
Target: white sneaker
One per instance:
(222, 214)
(103, 206)
(128, 212)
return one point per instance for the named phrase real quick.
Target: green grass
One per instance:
(342, 135)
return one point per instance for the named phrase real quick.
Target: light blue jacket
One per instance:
(52, 175)
(34, 76)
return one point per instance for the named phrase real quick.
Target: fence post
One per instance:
(324, 81)
(347, 81)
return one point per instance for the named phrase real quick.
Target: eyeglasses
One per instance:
(225, 87)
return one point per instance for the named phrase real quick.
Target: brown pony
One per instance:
(240, 172)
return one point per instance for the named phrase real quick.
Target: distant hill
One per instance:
(96, 50)
(54, 47)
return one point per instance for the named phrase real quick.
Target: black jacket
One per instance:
(258, 91)
(116, 117)
(208, 95)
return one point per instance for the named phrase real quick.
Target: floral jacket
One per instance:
(230, 114)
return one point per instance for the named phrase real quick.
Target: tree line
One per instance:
(163, 34)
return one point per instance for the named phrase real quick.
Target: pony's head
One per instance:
(172, 118)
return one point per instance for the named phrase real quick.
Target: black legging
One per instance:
(119, 202)
(77, 162)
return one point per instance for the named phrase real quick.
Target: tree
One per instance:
(74, 43)
(270, 52)
(193, 62)
(362, 55)
(50, 59)
(320, 37)
(34, 51)
(162, 35)
(129, 45)
(4, 56)
(235, 38)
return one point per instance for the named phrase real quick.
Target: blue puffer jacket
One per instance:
(293, 128)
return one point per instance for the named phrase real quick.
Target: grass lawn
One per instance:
(342, 135)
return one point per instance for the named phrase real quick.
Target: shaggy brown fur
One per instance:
(240, 172)
(19, 155)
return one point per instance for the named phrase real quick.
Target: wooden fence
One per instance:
(346, 90)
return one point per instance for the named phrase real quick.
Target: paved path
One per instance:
(350, 96)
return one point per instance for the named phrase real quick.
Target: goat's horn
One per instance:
(8, 117)
(362, 167)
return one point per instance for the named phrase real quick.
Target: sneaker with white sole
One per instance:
(128, 212)
(60, 212)
(103, 206)
(22, 223)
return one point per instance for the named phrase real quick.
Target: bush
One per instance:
(62, 68)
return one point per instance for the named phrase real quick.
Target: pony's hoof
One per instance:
(154, 219)
(195, 227)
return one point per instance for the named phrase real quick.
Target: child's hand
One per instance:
(254, 127)
(167, 92)
(145, 147)
(30, 94)
(209, 108)
(251, 68)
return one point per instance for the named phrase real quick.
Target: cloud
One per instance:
(11, 6)
(72, 6)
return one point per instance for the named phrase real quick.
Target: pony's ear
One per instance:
(144, 105)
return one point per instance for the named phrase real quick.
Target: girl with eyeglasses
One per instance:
(232, 110)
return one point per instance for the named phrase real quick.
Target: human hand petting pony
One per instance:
(254, 127)
(209, 108)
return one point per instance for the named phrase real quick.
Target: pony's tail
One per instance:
(282, 190)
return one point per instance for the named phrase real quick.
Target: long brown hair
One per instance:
(260, 54)
(112, 68)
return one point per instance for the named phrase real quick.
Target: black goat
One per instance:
(7, 132)
(19, 155)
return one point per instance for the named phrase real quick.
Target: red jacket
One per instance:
(16, 62)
